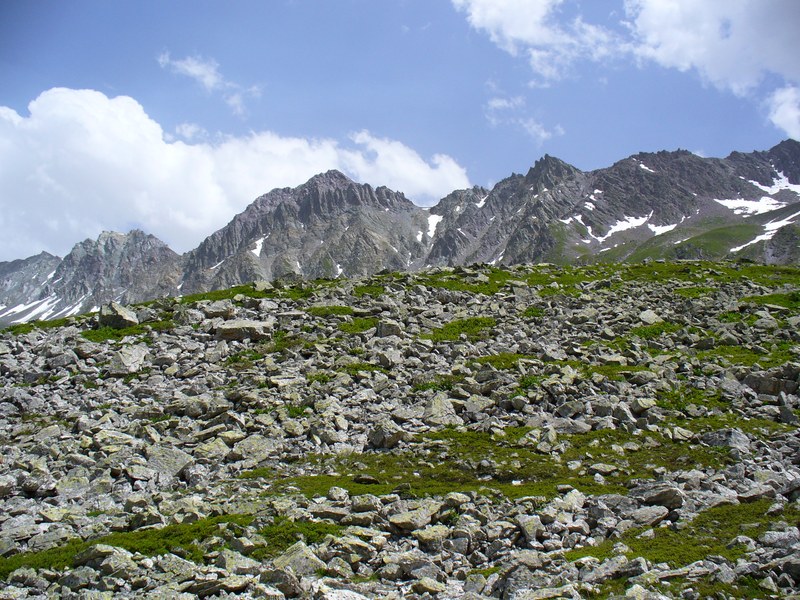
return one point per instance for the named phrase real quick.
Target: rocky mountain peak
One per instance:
(329, 180)
(785, 157)
(548, 171)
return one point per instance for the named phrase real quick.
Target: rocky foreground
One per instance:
(531, 433)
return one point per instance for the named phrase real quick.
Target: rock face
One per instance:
(530, 432)
(327, 227)
(673, 205)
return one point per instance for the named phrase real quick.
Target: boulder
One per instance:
(116, 316)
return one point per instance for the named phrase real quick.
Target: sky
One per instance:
(172, 117)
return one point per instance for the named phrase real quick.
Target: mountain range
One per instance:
(663, 205)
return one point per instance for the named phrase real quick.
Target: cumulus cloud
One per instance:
(532, 28)
(205, 71)
(732, 44)
(784, 110)
(82, 162)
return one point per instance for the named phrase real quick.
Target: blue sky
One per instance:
(173, 116)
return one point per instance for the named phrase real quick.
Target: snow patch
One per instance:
(498, 259)
(49, 277)
(259, 245)
(39, 309)
(623, 225)
(659, 229)
(751, 207)
(420, 233)
(339, 270)
(433, 221)
(216, 266)
(589, 205)
(769, 231)
(779, 183)
(646, 168)
(482, 201)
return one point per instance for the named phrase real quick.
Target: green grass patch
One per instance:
(374, 290)
(358, 325)
(708, 534)
(694, 291)
(24, 328)
(450, 460)
(533, 312)
(680, 397)
(228, 294)
(353, 369)
(488, 282)
(329, 311)
(319, 377)
(503, 361)
(104, 334)
(790, 300)
(282, 341)
(150, 542)
(656, 330)
(740, 355)
(472, 327)
(244, 359)
(283, 533)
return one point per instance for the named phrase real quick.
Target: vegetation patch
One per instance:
(656, 330)
(509, 464)
(710, 533)
(329, 311)
(533, 312)
(104, 334)
(790, 300)
(473, 328)
(353, 369)
(487, 283)
(283, 533)
(779, 354)
(150, 542)
(358, 325)
(23, 328)
(503, 361)
(229, 294)
(373, 290)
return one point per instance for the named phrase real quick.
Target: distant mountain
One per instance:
(327, 227)
(673, 205)
(126, 268)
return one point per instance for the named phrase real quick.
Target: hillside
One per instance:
(518, 432)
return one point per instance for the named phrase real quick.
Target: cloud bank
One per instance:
(82, 162)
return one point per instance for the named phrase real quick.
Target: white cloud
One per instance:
(747, 47)
(391, 163)
(784, 110)
(533, 28)
(190, 131)
(512, 111)
(82, 162)
(205, 71)
(733, 44)
(538, 131)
